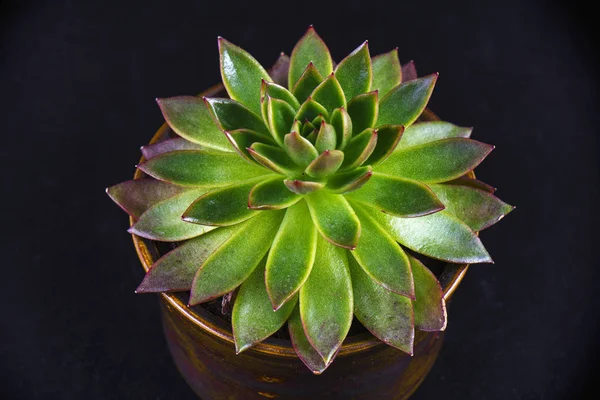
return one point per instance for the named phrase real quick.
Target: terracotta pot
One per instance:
(365, 368)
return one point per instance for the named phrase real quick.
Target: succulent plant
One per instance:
(312, 199)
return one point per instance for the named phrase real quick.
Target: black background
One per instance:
(77, 87)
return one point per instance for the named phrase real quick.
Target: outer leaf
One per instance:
(409, 71)
(326, 164)
(136, 196)
(175, 270)
(310, 48)
(438, 161)
(426, 132)
(280, 117)
(388, 137)
(329, 94)
(397, 196)
(403, 104)
(230, 265)
(474, 207)
(310, 110)
(360, 149)
(153, 150)
(326, 138)
(387, 72)
(326, 300)
(241, 139)
(291, 256)
(273, 158)
(241, 74)
(163, 221)
(280, 70)
(302, 187)
(354, 72)
(271, 194)
(253, 318)
(190, 119)
(363, 110)
(334, 218)
(302, 346)
(382, 258)
(349, 181)
(231, 115)
(429, 305)
(200, 168)
(387, 315)
(342, 123)
(307, 83)
(222, 206)
(300, 150)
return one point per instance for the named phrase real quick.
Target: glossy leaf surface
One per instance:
(302, 187)
(302, 346)
(388, 137)
(231, 115)
(309, 110)
(271, 194)
(136, 196)
(354, 72)
(334, 218)
(326, 164)
(349, 181)
(387, 72)
(273, 158)
(174, 144)
(425, 132)
(326, 138)
(242, 139)
(310, 48)
(329, 94)
(280, 116)
(307, 83)
(403, 104)
(359, 149)
(342, 123)
(300, 150)
(429, 305)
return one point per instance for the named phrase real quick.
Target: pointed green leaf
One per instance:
(403, 104)
(291, 256)
(429, 305)
(241, 139)
(280, 117)
(334, 218)
(310, 48)
(241, 74)
(354, 72)
(230, 265)
(307, 83)
(435, 162)
(329, 94)
(200, 168)
(326, 138)
(306, 353)
(190, 119)
(300, 150)
(388, 137)
(273, 158)
(136, 196)
(310, 110)
(326, 164)
(363, 111)
(174, 144)
(397, 196)
(474, 207)
(426, 132)
(326, 300)
(231, 115)
(175, 270)
(409, 71)
(387, 315)
(271, 194)
(474, 183)
(387, 73)
(278, 92)
(163, 220)
(349, 181)
(359, 149)
(222, 206)
(253, 319)
(302, 187)
(342, 123)
(307, 128)
(280, 70)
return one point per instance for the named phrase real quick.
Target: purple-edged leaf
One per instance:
(403, 104)
(429, 305)
(306, 353)
(388, 137)
(342, 123)
(409, 71)
(190, 119)
(310, 48)
(387, 73)
(354, 72)
(474, 183)
(435, 162)
(222, 206)
(309, 110)
(279, 71)
(439, 235)
(307, 83)
(363, 110)
(302, 187)
(387, 315)
(276, 92)
(273, 158)
(426, 132)
(271, 194)
(163, 221)
(280, 117)
(474, 207)
(231, 115)
(326, 300)
(253, 318)
(334, 218)
(329, 94)
(382, 258)
(346, 182)
(291, 256)
(359, 149)
(241, 74)
(300, 150)
(175, 270)
(326, 164)
(397, 196)
(326, 138)
(230, 265)
(136, 196)
(156, 149)
(200, 168)
(241, 139)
